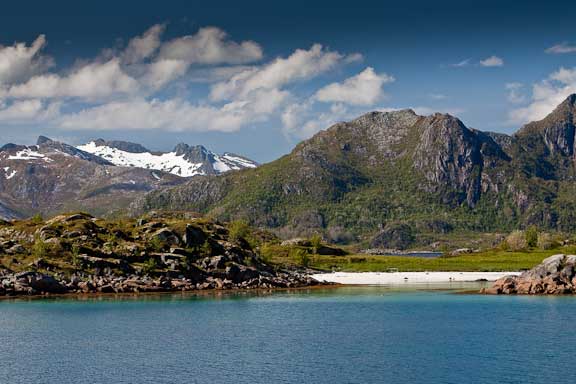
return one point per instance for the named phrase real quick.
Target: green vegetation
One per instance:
(238, 230)
(532, 236)
(495, 260)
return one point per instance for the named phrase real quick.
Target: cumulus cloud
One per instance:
(130, 88)
(210, 45)
(301, 121)
(561, 48)
(19, 62)
(546, 95)
(144, 46)
(364, 88)
(300, 65)
(175, 114)
(492, 61)
(92, 81)
(515, 94)
(26, 111)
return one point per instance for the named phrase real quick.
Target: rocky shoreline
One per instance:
(79, 254)
(556, 275)
(34, 283)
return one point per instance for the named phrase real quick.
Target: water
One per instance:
(345, 335)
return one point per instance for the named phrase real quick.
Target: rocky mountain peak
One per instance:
(125, 146)
(42, 140)
(555, 134)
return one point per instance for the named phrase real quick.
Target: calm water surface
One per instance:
(344, 335)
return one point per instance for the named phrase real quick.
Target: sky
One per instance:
(257, 77)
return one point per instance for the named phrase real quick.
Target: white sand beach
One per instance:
(396, 278)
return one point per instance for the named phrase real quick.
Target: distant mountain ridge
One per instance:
(52, 177)
(427, 172)
(184, 160)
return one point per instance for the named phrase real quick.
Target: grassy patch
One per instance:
(493, 260)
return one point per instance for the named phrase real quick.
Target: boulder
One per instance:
(193, 236)
(166, 237)
(556, 275)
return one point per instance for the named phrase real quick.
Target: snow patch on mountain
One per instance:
(29, 154)
(175, 162)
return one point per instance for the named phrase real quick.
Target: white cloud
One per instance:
(515, 94)
(301, 121)
(364, 88)
(92, 81)
(19, 62)
(492, 61)
(162, 72)
(561, 48)
(175, 114)
(142, 47)
(128, 89)
(463, 63)
(546, 95)
(210, 45)
(25, 111)
(300, 65)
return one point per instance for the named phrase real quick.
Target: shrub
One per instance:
(532, 236)
(300, 256)
(39, 248)
(155, 244)
(265, 253)
(516, 241)
(546, 241)
(37, 219)
(149, 266)
(206, 249)
(238, 230)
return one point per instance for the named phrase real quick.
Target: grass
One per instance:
(492, 260)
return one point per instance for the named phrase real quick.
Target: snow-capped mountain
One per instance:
(183, 161)
(52, 177)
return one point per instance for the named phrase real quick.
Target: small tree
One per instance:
(532, 236)
(316, 241)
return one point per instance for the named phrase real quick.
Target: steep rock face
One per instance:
(456, 160)
(552, 140)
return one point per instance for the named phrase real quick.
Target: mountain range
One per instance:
(385, 170)
(101, 177)
(393, 172)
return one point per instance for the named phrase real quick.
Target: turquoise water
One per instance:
(344, 335)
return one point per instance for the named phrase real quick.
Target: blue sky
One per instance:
(255, 77)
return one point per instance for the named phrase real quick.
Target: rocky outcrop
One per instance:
(78, 253)
(556, 275)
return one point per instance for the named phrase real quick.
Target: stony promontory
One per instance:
(556, 275)
(78, 253)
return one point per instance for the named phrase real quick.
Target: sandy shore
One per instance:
(393, 278)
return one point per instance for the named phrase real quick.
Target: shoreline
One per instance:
(136, 295)
(400, 278)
